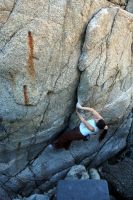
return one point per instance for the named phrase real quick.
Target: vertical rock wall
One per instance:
(51, 54)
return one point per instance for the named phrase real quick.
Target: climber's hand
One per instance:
(78, 106)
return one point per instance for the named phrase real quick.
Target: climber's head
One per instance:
(104, 128)
(100, 124)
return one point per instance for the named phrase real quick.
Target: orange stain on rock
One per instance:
(31, 67)
(26, 97)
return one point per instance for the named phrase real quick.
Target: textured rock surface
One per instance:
(35, 197)
(77, 172)
(38, 71)
(94, 174)
(120, 177)
(119, 2)
(129, 6)
(48, 49)
(106, 63)
(53, 165)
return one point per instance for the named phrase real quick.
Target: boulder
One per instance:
(106, 64)
(77, 172)
(94, 174)
(120, 178)
(40, 45)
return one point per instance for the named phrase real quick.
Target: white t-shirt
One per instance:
(85, 131)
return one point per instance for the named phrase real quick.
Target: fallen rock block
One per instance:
(82, 189)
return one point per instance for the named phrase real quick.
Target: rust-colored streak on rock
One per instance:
(31, 68)
(26, 98)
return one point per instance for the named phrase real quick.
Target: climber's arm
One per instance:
(92, 110)
(85, 122)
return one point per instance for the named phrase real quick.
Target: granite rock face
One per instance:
(106, 64)
(119, 2)
(53, 53)
(40, 44)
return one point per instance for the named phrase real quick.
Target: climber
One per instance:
(93, 126)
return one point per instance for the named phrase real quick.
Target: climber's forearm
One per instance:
(84, 121)
(85, 108)
(93, 111)
(80, 116)
(88, 125)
